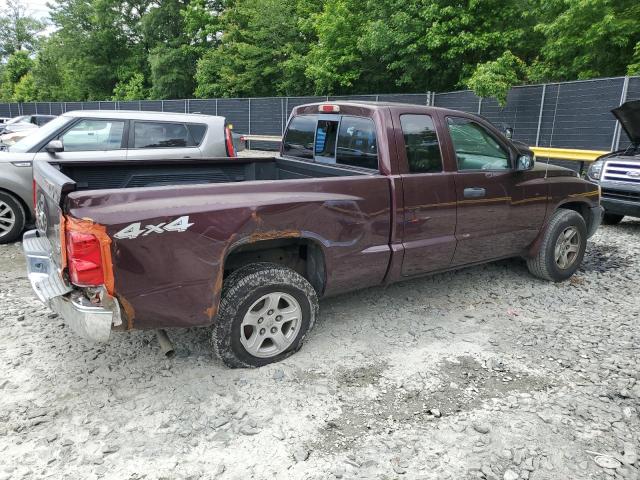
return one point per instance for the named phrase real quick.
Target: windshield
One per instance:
(33, 139)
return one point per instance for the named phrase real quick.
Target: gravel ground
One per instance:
(481, 373)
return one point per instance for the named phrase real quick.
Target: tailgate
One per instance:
(50, 186)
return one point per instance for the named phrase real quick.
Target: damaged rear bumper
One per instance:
(93, 322)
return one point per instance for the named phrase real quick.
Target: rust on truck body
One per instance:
(371, 228)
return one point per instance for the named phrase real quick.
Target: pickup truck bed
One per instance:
(130, 174)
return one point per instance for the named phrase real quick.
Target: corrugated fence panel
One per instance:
(521, 112)
(42, 108)
(72, 106)
(574, 114)
(129, 105)
(107, 105)
(414, 99)
(28, 108)
(236, 111)
(57, 108)
(174, 106)
(465, 100)
(267, 118)
(357, 98)
(151, 106)
(581, 113)
(205, 107)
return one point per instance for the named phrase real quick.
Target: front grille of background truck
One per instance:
(621, 171)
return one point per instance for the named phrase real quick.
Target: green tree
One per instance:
(495, 78)
(132, 89)
(18, 65)
(260, 52)
(18, 31)
(586, 38)
(172, 71)
(25, 89)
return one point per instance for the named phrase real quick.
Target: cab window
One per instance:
(357, 143)
(475, 147)
(421, 144)
(343, 140)
(298, 141)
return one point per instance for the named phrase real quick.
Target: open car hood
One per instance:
(628, 114)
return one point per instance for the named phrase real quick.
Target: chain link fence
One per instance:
(566, 115)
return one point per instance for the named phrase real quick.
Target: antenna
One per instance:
(553, 127)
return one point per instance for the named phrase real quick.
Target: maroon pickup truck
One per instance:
(361, 194)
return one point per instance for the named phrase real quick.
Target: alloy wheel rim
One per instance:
(7, 219)
(567, 247)
(270, 325)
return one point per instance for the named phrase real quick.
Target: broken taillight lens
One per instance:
(84, 259)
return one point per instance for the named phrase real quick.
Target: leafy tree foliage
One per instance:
(18, 31)
(133, 49)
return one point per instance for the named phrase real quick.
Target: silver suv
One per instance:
(102, 135)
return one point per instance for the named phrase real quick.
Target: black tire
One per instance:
(241, 290)
(612, 218)
(12, 210)
(544, 264)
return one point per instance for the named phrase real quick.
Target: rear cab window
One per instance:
(333, 139)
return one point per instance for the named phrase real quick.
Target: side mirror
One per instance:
(54, 146)
(508, 132)
(524, 162)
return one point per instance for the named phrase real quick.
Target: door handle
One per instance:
(474, 192)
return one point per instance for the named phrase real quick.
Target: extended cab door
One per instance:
(429, 195)
(500, 210)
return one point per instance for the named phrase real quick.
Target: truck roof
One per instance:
(373, 105)
(137, 115)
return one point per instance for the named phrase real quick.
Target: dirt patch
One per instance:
(372, 404)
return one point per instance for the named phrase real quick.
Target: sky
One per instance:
(37, 8)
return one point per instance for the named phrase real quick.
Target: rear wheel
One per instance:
(12, 218)
(612, 218)
(562, 248)
(265, 312)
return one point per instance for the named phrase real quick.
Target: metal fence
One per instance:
(566, 115)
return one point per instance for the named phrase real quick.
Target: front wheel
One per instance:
(562, 249)
(265, 312)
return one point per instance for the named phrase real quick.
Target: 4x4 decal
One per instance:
(135, 229)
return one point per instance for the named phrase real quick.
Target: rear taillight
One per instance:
(84, 259)
(229, 140)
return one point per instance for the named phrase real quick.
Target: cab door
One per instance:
(500, 210)
(429, 197)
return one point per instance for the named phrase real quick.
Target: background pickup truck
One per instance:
(361, 194)
(618, 173)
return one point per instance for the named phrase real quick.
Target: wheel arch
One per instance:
(304, 255)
